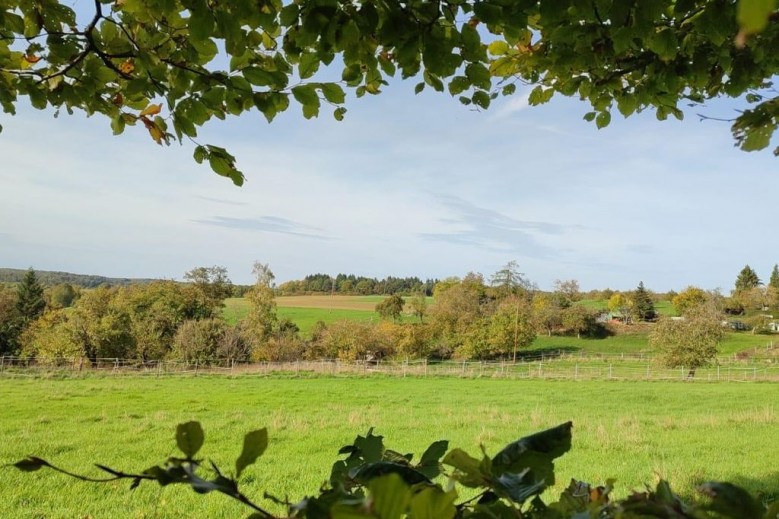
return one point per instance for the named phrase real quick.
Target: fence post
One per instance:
(576, 372)
(462, 373)
(610, 370)
(717, 371)
(425, 366)
(754, 373)
(2, 363)
(197, 363)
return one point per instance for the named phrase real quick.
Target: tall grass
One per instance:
(630, 431)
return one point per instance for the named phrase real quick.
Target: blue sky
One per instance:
(405, 185)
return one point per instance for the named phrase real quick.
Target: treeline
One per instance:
(349, 284)
(51, 278)
(471, 319)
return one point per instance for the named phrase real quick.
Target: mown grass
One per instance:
(306, 316)
(631, 431)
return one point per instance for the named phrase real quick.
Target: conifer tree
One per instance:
(747, 279)
(644, 306)
(29, 298)
(774, 280)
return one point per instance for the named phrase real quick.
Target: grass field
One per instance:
(305, 311)
(684, 432)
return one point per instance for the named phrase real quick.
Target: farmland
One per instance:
(629, 431)
(305, 311)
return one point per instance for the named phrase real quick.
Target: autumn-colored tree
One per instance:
(579, 320)
(511, 328)
(689, 298)
(9, 321)
(547, 313)
(391, 307)
(213, 282)
(418, 305)
(690, 342)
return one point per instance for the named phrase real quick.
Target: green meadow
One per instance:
(631, 431)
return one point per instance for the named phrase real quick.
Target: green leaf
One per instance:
(118, 124)
(254, 444)
(370, 471)
(201, 24)
(481, 99)
(309, 64)
(390, 496)
(432, 503)
(753, 15)
(728, 500)
(419, 88)
(471, 474)
(458, 85)
(305, 95)
(189, 436)
(498, 48)
(627, 104)
(535, 453)
(603, 120)
(590, 116)
(333, 93)
(200, 154)
(488, 13)
(339, 113)
(258, 76)
(519, 487)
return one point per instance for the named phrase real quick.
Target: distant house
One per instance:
(736, 325)
(773, 326)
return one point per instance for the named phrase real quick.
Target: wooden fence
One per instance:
(557, 369)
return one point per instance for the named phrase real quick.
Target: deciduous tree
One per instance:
(508, 280)
(391, 307)
(689, 298)
(690, 342)
(171, 67)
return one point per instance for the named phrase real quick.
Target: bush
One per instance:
(198, 341)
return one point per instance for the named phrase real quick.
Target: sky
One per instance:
(406, 185)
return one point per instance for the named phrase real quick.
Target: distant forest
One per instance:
(51, 278)
(347, 284)
(356, 285)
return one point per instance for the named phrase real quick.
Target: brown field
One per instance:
(366, 303)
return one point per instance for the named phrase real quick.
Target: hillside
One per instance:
(47, 277)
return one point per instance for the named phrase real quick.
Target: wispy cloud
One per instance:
(271, 224)
(492, 230)
(221, 200)
(517, 103)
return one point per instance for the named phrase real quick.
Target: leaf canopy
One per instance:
(174, 65)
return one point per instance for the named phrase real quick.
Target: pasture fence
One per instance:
(557, 369)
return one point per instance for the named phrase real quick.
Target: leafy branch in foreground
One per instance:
(374, 482)
(172, 67)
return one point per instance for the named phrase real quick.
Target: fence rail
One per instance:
(547, 370)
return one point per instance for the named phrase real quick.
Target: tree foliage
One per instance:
(30, 302)
(371, 481)
(171, 67)
(689, 342)
(642, 301)
(689, 298)
(773, 281)
(747, 279)
(391, 307)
